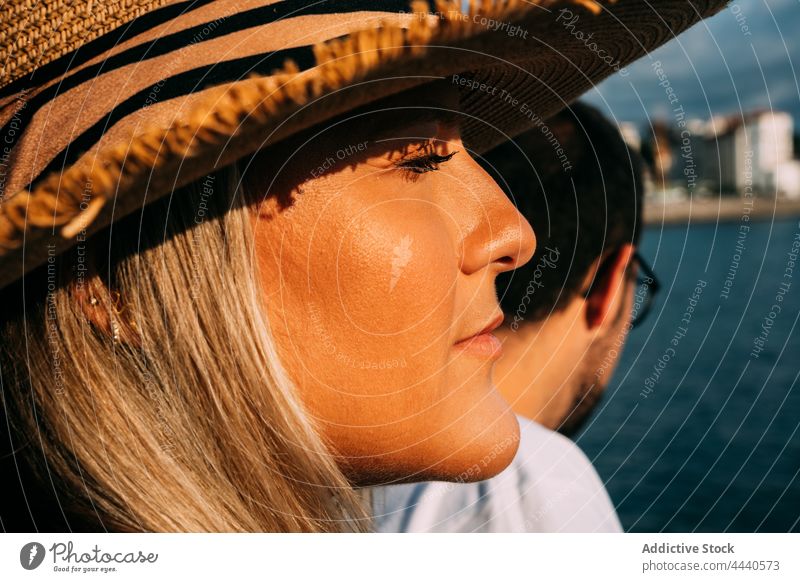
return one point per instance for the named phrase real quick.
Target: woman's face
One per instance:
(379, 242)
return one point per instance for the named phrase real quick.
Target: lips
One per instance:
(483, 344)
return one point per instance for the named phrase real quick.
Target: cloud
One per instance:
(745, 57)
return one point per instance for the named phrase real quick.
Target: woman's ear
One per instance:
(609, 288)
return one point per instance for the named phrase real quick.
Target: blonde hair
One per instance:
(177, 416)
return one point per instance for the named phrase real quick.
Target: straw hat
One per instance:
(107, 106)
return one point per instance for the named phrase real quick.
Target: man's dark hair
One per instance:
(580, 187)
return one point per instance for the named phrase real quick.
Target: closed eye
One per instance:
(421, 164)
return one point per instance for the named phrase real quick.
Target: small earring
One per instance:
(114, 330)
(93, 300)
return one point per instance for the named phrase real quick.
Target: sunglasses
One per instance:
(647, 286)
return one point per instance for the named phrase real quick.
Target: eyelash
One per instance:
(423, 164)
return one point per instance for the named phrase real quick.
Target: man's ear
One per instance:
(609, 287)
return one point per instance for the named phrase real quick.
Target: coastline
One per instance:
(722, 209)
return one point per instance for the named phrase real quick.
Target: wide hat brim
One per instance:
(129, 116)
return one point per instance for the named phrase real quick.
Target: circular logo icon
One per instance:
(31, 555)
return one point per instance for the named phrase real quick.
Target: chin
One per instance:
(489, 436)
(472, 444)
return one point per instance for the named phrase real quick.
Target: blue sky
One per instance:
(715, 68)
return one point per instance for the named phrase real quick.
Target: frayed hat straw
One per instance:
(106, 106)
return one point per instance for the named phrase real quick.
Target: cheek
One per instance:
(368, 289)
(396, 269)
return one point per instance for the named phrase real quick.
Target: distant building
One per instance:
(674, 156)
(743, 154)
(724, 160)
(750, 150)
(662, 154)
(788, 179)
(630, 133)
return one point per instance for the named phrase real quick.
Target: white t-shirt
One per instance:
(550, 486)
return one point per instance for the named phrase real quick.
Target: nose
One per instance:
(499, 238)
